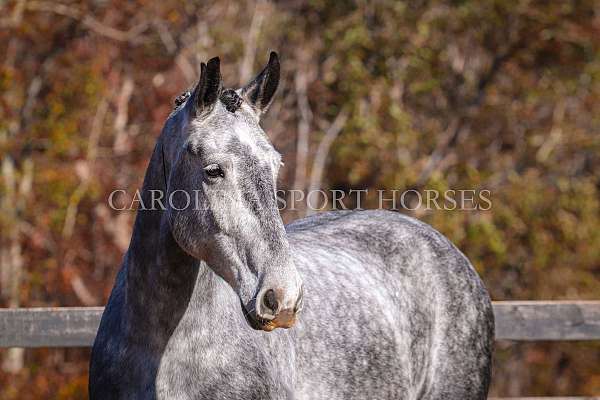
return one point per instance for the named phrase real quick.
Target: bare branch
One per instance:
(88, 21)
(457, 123)
(82, 292)
(316, 176)
(120, 141)
(11, 254)
(485, 80)
(186, 67)
(85, 170)
(304, 122)
(165, 36)
(448, 139)
(556, 133)
(250, 43)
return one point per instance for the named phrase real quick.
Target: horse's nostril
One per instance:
(270, 301)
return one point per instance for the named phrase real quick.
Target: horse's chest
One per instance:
(193, 376)
(222, 364)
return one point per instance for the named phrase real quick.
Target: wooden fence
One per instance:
(515, 320)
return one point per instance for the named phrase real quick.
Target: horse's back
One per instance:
(393, 310)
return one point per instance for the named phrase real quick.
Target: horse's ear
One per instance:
(209, 87)
(260, 91)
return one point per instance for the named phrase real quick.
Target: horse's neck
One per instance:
(160, 276)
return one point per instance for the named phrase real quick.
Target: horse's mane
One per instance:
(229, 98)
(179, 100)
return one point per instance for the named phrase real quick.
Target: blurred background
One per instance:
(484, 95)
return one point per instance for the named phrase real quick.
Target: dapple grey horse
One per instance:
(390, 308)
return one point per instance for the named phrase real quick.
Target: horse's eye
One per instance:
(214, 171)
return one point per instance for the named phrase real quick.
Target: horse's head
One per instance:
(221, 173)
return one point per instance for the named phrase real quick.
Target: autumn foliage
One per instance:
(491, 95)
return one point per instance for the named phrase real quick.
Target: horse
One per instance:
(380, 305)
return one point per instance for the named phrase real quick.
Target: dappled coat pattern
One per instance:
(382, 306)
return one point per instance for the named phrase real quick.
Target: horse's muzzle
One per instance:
(270, 315)
(285, 319)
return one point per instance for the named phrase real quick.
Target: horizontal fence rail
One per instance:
(547, 320)
(515, 320)
(49, 327)
(543, 398)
